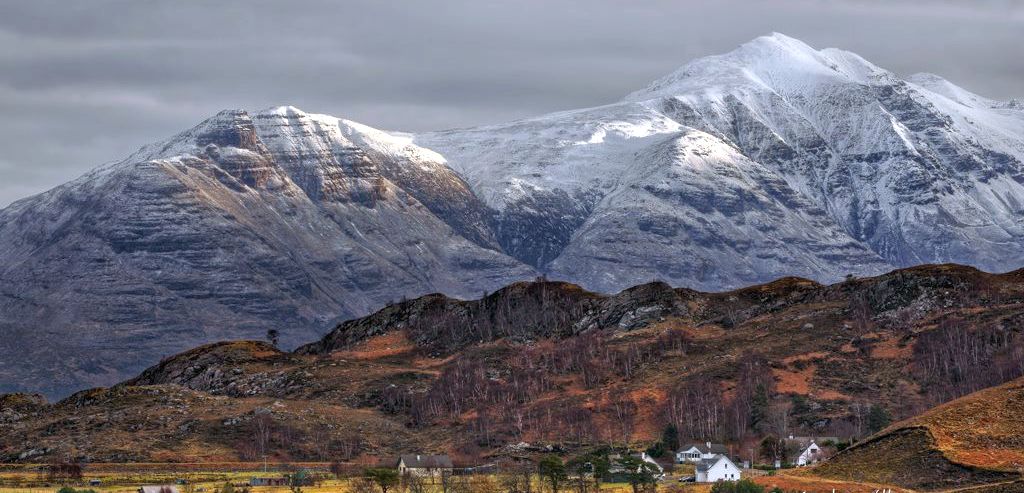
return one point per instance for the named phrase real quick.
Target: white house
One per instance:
(717, 468)
(808, 450)
(425, 465)
(809, 455)
(700, 451)
(616, 467)
(650, 460)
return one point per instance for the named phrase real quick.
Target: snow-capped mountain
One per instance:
(275, 220)
(772, 160)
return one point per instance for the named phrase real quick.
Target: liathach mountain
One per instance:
(772, 160)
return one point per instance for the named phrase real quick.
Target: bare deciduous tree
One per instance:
(695, 407)
(624, 411)
(262, 422)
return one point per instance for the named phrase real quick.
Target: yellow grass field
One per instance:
(796, 481)
(208, 477)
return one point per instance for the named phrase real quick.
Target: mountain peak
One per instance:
(283, 110)
(776, 41)
(771, 62)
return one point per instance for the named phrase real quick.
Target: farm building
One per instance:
(809, 450)
(425, 465)
(717, 468)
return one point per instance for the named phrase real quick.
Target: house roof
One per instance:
(417, 461)
(650, 460)
(705, 448)
(706, 464)
(616, 466)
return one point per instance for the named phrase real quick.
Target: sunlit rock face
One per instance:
(245, 223)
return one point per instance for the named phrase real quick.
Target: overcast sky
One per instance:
(86, 82)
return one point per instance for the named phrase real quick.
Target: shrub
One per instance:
(384, 477)
(741, 486)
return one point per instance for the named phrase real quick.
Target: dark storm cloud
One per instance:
(86, 82)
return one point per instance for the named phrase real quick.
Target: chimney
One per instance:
(417, 456)
(708, 444)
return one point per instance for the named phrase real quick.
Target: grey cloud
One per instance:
(82, 83)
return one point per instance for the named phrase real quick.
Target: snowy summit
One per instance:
(772, 160)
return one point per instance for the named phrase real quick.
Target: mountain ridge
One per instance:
(773, 160)
(475, 377)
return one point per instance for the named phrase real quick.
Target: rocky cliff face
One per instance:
(247, 222)
(520, 312)
(773, 160)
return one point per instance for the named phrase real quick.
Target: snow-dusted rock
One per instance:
(278, 219)
(775, 159)
(826, 164)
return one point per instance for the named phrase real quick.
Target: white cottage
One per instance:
(425, 465)
(717, 468)
(809, 455)
(660, 471)
(616, 468)
(808, 450)
(700, 451)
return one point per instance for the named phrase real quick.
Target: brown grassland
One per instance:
(410, 379)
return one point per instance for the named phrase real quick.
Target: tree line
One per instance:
(499, 396)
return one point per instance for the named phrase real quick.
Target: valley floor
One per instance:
(209, 477)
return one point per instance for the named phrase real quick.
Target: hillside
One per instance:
(249, 221)
(976, 439)
(773, 160)
(551, 364)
